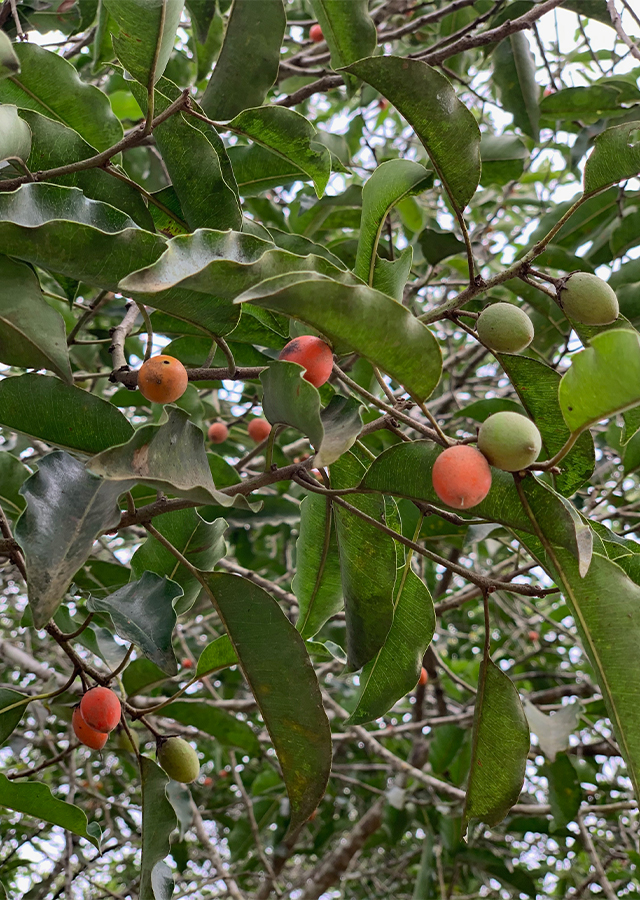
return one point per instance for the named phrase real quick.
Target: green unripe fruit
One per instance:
(179, 760)
(505, 328)
(588, 299)
(509, 441)
(15, 134)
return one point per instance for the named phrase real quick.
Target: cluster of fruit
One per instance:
(100, 712)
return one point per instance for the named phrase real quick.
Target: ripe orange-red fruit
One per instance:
(85, 733)
(162, 379)
(461, 476)
(218, 433)
(423, 676)
(315, 34)
(187, 663)
(312, 353)
(259, 429)
(100, 709)
(208, 781)
(533, 635)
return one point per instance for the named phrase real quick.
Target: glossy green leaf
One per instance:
(290, 136)
(537, 386)
(12, 475)
(15, 703)
(50, 85)
(32, 334)
(500, 748)
(143, 612)
(603, 379)
(317, 583)
(390, 182)
(443, 124)
(514, 73)
(69, 417)
(144, 35)
(361, 319)
(258, 170)
(35, 799)
(396, 668)
(220, 724)
(348, 29)
(249, 60)
(367, 566)
(158, 821)
(67, 508)
(217, 655)
(272, 656)
(615, 156)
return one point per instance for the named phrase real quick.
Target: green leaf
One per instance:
(35, 799)
(317, 583)
(514, 73)
(50, 85)
(32, 334)
(444, 125)
(537, 386)
(500, 748)
(503, 158)
(603, 379)
(158, 821)
(395, 670)
(67, 508)
(142, 612)
(10, 719)
(348, 29)
(290, 136)
(9, 62)
(553, 730)
(219, 724)
(272, 656)
(289, 399)
(249, 60)
(391, 275)
(361, 319)
(595, 100)
(145, 35)
(367, 566)
(437, 245)
(45, 408)
(615, 156)
(202, 543)
(565, 792)
(219, 654)
(258, 170)
(12, 475)
(141, 674)
(390, 182)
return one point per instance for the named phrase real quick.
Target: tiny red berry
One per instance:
(423, 676)
(315, 34)
(187, 663)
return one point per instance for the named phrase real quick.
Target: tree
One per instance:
(207, 182)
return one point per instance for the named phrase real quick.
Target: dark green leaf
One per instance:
(144, 35)
(219, 724)
(158, 821)
(217, 655)
(12, 474)
(615, 156)
(437, 245)
(141, 674)
(514, 73)
(347, 28)
(503, 158)
(15, 704)
(317, 583)
(258, 170)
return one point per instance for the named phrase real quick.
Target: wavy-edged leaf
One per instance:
(348, 29)
(273, 656)
(32, 333)
(217, 655)
(367, 566)
(217, 722)
(45, 408)
(15, 704)
(317, 583)
(35, 799)
(603, 379)
(361, 319)
(143, 35)
(50, 85)
(514, 73)
(395, 670)
(444, 125)
(158, 821)
(67, 508)
(500, 747)
(143, 612)
(615, 156)
(391, 275)
(391, 181)
(249, 59)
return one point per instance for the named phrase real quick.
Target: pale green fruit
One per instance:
(179, 760)
(15, 134)
(505, 328)
(588, 299)
(9, 62)
(509, 441)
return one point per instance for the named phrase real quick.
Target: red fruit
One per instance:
(85, 733)
(461, 476)
(315, 34)
(533, 635)
(383, 103)
(100, 709)
(313, 354)
(423, 676)
(187, 663)
(162, 379)
(208, 781)
(218, 433)
(259, 429)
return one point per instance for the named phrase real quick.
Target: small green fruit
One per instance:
(588, 299)
(509, 441)
(15, 134)
(179, 760)
(505, 328)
